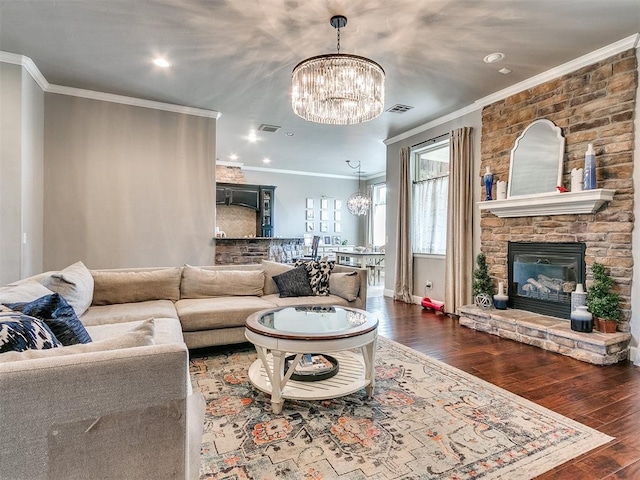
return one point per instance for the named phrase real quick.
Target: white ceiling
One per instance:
(236, 57)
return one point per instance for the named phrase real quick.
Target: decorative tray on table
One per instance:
(313, 367)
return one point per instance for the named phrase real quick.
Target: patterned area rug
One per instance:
(427, 420)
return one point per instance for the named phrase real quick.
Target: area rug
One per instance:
(427, 420)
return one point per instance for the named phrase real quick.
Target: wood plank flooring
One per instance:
(604, 398)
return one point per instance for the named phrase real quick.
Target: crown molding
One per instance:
(632, 41)
(305, 174)
(225, 163)
(136, 102)
(28, 65)
(32, 69)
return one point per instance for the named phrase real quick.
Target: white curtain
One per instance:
(403, 287)
(459, 259)
(429, 205)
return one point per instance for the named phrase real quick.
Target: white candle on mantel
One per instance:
(500, 288)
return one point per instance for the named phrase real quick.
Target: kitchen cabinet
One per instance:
(239, 195)
(260, 198)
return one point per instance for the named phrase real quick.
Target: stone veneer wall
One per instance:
(226, 174)
(592, 105)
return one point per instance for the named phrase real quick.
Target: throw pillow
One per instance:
(318, 275)
(345, 285)
(271, 269)
(202, 283)
(112, 286)
(23, 292)
(294, 283)
(20, 332)
(58, 315)
(75, 284)
(140, 336)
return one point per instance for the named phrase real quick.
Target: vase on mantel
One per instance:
(488, 183)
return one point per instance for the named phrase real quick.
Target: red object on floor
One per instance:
(432, 304)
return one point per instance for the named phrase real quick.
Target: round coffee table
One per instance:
(278, 333)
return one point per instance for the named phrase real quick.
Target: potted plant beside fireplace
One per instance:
(603, 304)
(482, 287)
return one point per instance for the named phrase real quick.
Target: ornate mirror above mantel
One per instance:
(534, 176)
(536, 160)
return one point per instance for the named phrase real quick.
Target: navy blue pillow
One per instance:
(19, 333)
(59, 316)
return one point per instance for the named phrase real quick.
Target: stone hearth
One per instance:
(549, 333)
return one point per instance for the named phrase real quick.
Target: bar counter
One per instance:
(246, 250)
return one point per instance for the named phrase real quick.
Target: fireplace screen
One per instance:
(543, 275)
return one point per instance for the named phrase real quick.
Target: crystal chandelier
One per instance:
(358, 203)
(338, 89)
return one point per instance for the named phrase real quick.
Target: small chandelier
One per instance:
(338, 89)
(358, 203)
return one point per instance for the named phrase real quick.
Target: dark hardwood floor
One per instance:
(604, 398)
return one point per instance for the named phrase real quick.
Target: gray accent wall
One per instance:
(21, 173)
(426, 267)
(127, 186)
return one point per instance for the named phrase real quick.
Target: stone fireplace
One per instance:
(594, 104)
(542, 275)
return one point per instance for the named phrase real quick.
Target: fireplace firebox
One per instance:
(543, 275)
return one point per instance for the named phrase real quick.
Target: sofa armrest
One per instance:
(115, 414)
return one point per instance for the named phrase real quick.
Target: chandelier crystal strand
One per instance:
(338, 89)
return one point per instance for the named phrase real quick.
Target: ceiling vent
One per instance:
(398, 108)
(269, 128)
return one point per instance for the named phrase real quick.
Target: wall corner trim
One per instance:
(28, 65)
(632, 41)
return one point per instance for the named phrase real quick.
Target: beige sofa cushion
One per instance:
(141, 335)
(23, 292)
(345, 285)
(75, 284)
(167, 330)
(271, 269)
(201, 283)
(139, 286)
(218, 312)
(128, 312)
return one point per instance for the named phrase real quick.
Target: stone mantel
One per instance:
(554, 203)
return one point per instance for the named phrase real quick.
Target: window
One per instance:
(379, 215)
(430, 190)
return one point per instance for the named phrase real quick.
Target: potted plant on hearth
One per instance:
(603, 304)
(482, 287)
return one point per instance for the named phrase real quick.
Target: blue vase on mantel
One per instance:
(488, 183)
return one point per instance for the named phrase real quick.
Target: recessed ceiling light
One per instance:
(289, 134)
(233, 157)
(161, 62)
(252, 137)
(494, 57)
(266, 160)
(505, 71)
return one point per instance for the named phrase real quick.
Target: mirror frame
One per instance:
(554, 150)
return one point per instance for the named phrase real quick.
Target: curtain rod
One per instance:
(431, 140)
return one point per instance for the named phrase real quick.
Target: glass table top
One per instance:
(312, 320)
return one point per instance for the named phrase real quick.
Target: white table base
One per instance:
(355, 372)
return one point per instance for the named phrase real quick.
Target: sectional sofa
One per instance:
(122, 406)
